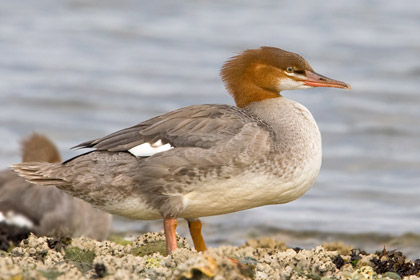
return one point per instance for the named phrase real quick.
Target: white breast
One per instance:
(247, 191)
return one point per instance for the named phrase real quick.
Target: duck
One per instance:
(205, 160)
(46, 210)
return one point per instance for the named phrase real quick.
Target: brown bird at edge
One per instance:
(205, 160)
(47, 210)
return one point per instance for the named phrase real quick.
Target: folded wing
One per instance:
(201, 126)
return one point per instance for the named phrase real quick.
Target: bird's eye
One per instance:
(289, 69)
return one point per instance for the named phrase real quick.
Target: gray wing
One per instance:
(202, 126)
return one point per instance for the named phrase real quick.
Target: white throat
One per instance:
(288, 83)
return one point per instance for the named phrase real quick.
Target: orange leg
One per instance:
(169, 226)
(197, 237)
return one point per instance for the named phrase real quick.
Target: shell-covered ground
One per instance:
(144, 258)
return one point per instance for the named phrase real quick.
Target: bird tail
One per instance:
(40, 173)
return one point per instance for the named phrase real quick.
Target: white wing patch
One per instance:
(147, 149)
(11, 218)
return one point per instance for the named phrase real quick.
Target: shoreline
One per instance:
(143, 258)
(408, 242)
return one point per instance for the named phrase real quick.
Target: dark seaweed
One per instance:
(100, 270)
(339, 261)
(11, 235)
(394, 261)
(58, 243)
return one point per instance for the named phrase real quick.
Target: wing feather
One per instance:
(202, 126)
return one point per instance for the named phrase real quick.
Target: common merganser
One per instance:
(47, 210)
(205, 160)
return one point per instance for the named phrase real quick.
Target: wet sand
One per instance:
(144, 258)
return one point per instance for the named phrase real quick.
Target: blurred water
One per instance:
(78, 70)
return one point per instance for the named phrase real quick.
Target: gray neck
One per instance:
(294, 127)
